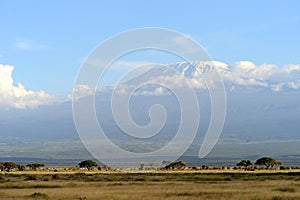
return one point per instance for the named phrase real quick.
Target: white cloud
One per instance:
(17, 96)
(267, 75)
(145, 90)
(81, 91)
(178, 80)
(242, 73)
(245, 73)
(294, 84)
(156, 91)
(276, 87)
(28, 45)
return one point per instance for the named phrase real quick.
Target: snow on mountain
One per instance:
(195, 69)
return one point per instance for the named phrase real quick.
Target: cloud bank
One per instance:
(242, 74)
(270, 76)
(17, 96)
(80, 91)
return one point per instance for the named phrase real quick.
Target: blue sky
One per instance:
(46, 41)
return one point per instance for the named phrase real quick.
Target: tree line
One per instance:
(8, 166)
(264, 162)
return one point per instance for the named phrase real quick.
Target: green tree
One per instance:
(89, 164)
(21, 167)
(244, 163)
(176, 165)
(268, 162)
(35, 166)
(8, 166)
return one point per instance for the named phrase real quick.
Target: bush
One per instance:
(38, 195)
(277, 198)
(31, 178)
(2, 194)
(21, 167)
(286, 189)
(282, 168)
(35, 166)
(55, 176)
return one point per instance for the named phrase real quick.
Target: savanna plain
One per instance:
(272, 185)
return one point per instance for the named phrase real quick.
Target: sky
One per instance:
(46, 41)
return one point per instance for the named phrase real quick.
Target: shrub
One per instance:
(2, 194)
(277, 198)
(35, 166)
(282, 168)
(30, 178)
(286, 189)
(38, 195)
(55, 176)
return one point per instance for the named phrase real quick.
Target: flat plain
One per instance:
(272, 185)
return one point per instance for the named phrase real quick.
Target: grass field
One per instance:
(151, 185)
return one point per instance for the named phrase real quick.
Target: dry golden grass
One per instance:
(155, 185)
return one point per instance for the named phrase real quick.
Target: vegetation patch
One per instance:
(30, 177)
(55, 176)
(186, 194)
(47, 186)
(27, 186)
(153, 185)
(38, 195)
(2, 194)
(286, 189)
(255, 198)
(277, 198)
(115, 184)
(203, 194)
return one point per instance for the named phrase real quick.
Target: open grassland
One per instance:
(151, 185)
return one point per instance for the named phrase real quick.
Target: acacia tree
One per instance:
(268, 162)
(7, 166)
(89, 164)
(176, 165)
(244, 163)
(35, 166)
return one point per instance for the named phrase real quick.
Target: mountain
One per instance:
(262, 114)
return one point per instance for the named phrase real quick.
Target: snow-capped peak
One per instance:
(197, 68)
